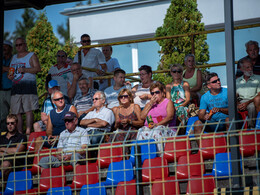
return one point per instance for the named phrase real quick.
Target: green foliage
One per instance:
(64, 32)
(182, 17)
(42, 41)
(23, 27)
(7, 36)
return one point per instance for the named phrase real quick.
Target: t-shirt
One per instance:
(209, 101)
(84, 103)
(104, 114)
(111, 96)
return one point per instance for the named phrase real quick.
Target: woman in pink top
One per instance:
(162, 112)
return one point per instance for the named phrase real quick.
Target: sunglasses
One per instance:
(174, 71)
(156, 92)
(58, 99)
(60, 56)
(19, 45)
(95, 99)
(85, 41)
(215, 81)
(123, 96)
(68, 120)
(10, 123)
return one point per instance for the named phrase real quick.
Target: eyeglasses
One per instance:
(60, 56)
(179, 71)
(95, 99)
(85, 41)
(215, 81)
(19, 44)
(10, 123)
(58, 99)
(156, 92)
(123, 96)
(68, 120)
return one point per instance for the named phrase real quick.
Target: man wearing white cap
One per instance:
(5, 91)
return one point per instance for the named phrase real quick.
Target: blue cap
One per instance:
(53, 83)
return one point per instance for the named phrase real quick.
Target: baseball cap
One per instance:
(6, 42)
(69, 116)
(53, 83)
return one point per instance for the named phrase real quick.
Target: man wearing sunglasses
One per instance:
(113, 91)
(61, 72)
(72, 142)
(10, 143)
(248, 90)
(24, 98)
(213, 106)
(91, 58)
(55, 124)
(100, 120)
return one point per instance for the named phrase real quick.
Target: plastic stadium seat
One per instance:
(166, 186)
(96, 189)
(60, 191)
(108, 155)
(85, 174)
(257, 124)
(247, 143)
(189, 127)
(244, 115)
(156, 168)
(38, 157)
(148, 150)
(176, 147)
(222, 167)
(198, 185)
(18, 181)
(126, 188)
(29, 192)
(212, 143)
(32, 138)
(52, 178)
(190, 165)
(119, 171)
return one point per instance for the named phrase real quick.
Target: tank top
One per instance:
(58, 124)
(193, 80)
(131, 116)
(160, 111)
(23, 83)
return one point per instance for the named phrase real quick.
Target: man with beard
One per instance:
(248, 90)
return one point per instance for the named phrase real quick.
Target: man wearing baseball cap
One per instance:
(72, 143)
(5, 90)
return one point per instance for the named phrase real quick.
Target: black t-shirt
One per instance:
(17, 138)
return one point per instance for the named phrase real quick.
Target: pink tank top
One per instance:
(159, 111)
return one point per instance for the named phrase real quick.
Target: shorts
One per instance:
(21, 103)
(221, 126)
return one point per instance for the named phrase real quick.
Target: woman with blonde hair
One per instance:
(128, 117)
(179, 92)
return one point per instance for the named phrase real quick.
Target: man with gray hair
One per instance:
(252, 49)
(100, 120)
(248, 90)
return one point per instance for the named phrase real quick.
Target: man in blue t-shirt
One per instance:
(213, 106)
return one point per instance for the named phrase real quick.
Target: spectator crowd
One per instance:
(80, 111)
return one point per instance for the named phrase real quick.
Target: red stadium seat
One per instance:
(52, 178)
(190, 165)
(28, 192)
(84, 175)
(211, 144)
(166, 186)
(126, 188)
(32, 138)
(198, 185)
(156, 168)
(109, 153)
(176, 147)
(244, 115)
(248, 142)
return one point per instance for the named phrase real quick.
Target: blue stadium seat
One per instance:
(119, 171)
(60, 191)
(19, 181)
(148, 151)
(257, 124)
(190, 126)
(96, 189)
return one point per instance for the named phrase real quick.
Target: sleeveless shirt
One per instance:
(193, 80)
